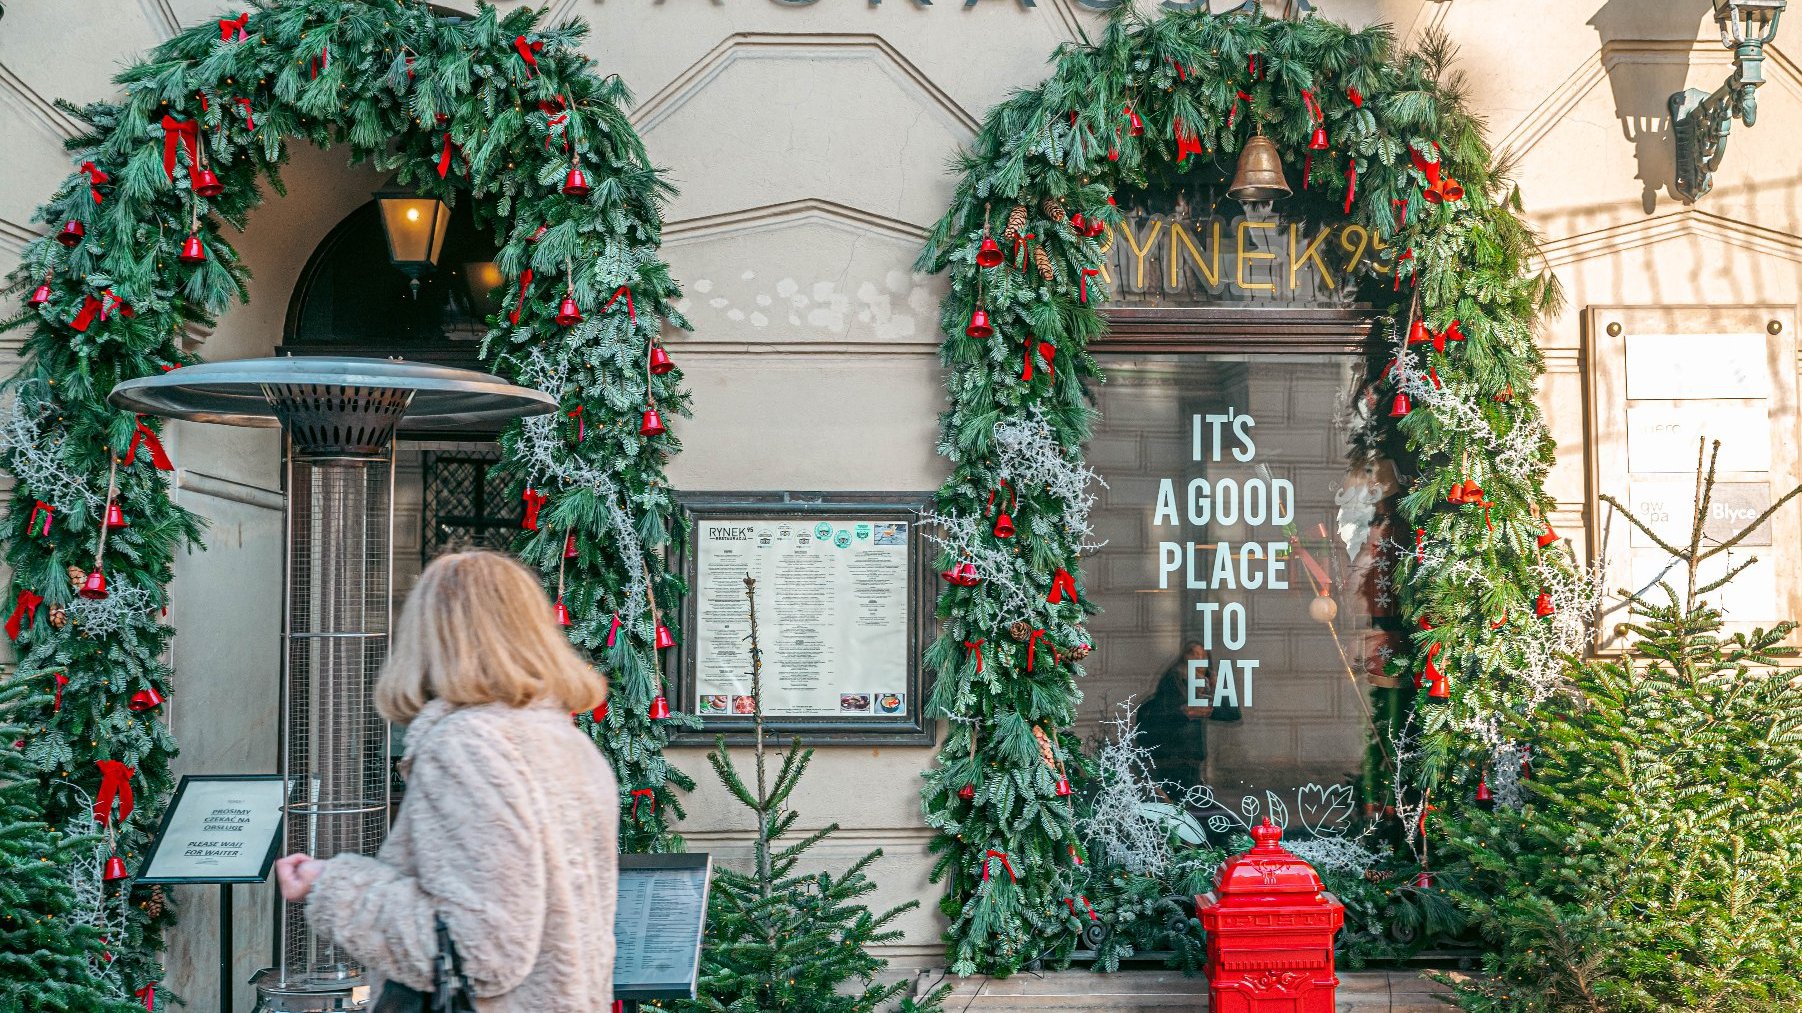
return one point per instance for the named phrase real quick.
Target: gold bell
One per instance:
(1260, 173)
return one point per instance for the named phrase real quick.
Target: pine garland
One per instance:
(494, 108)
(1398, 129)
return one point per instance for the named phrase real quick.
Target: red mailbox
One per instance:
(1270, 928)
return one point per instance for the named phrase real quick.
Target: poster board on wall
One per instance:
(843, 590)
(1661, 383)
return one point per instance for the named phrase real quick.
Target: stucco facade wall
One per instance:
(809, 141)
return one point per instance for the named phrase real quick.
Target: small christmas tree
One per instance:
(1656, 863)
(48, 960)
(780, 940)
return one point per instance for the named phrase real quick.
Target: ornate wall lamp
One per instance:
(1700, 121)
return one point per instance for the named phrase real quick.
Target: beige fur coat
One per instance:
(510, 829)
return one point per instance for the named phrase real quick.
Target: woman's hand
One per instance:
(295, 875)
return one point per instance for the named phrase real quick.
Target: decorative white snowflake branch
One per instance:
(38, 458)
(95, 905)
(1028, 455)
(1118, 828)
(124, 606)
(966, 537)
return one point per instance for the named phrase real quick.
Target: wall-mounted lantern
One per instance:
(1700, 121)
(415, 228)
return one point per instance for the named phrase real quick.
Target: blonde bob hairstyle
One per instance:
(478, 629)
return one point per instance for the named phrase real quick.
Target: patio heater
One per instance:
(339, 417)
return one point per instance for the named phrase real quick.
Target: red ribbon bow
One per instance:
(235, 29)
(1188, 142)
(1032, 644)
(1428, 169)
(976, 645)
(1022, 249)
(626, 291)
(25, 613)
(115, 786)
(1313, 106)
(1401, 213)
(535, 502)
(1085, 903)
(1351, 185)
(1356, 96)
(638, 793)
(1009, 866)
(186, 134)
(1087, 273)
(99, 308)
(525, 286)
(97, 178)
(148, 994)
(613, 631)
(1061, 584)
(1046, 350)
(158, 456)
(61, 681)
(577, 415)
(528, 52)
(1407, 254)
(32, 521)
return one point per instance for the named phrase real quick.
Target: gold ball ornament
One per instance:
(1323, 609)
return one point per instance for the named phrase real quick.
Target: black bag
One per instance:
(450, 990)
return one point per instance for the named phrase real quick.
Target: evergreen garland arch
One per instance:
(493, 108)
(1123, 111)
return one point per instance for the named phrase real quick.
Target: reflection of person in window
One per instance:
(1178, 732)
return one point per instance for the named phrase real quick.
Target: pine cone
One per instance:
(1079, 652)
(1020, 630)
(153, 905)
(1042, 261)
(1016, 223)
(1045, 751)
(59, 617)
(1054, 209)
(76, 576)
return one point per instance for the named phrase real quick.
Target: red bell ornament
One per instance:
(115, 516)
(206, 184)
(1096, 227)
(569, 546)
(575, 184)
(93, 586)
(1134, 125)
(1484, 798)
(1317, 140)
(1418, 334)
(665, 639)
(1456, 496)
(1548, 537)
(39, 295)
(659, 707)
(115, 869)
(568, 313)
(561, 613)
(1400, 406)
(1473, 493)
(1440, 688)
(651, 424)
(967, 792)
(989, 253)
(1542, 606)
(71, 234)
(1079, 224)
(661, 363)
(1063, 787)
(192, 252)
(967, 575)
(979, 324)
(1004, 526)
(145, 699)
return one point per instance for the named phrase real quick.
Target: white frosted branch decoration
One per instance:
(1029, 456)
(1118, 827)
(966, 537)
(124, 606)
(39, 459)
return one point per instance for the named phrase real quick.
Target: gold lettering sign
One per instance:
(1166, 260)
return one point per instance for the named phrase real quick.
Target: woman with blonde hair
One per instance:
(510, 825)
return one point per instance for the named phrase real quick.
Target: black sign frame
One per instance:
(629, 863)
(911, 727)
(169, 811)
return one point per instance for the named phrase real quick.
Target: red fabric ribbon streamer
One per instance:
(1085, 903)
(1430, 675)
(559, 124)
(1032, 644)
(1351, 185)
(96, 178)
(185, 133)
(626, 291)
(1313, 106)
(976, 645)
(32, 521)
(1420, 543)
(148, 992)
(1407, 254)
(528, 52)
(613, 631)
(158, 456)
(1233, 113)
(638, 793)
(1046, 350)
(1433, 374)
(250, 122)
(235, 29)
(1087, 272)
(535, 502)
(1401, 213)
(1061, 584)
(321, 61)
(1009, 866)
(115, 786)
(1357, 97)
(1188, 142)
(525, 285)
(444, 157)
(580, 430)
(25, 613)
(1181, 74)
(61, 681)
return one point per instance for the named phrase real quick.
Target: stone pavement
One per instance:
(1170, 992)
